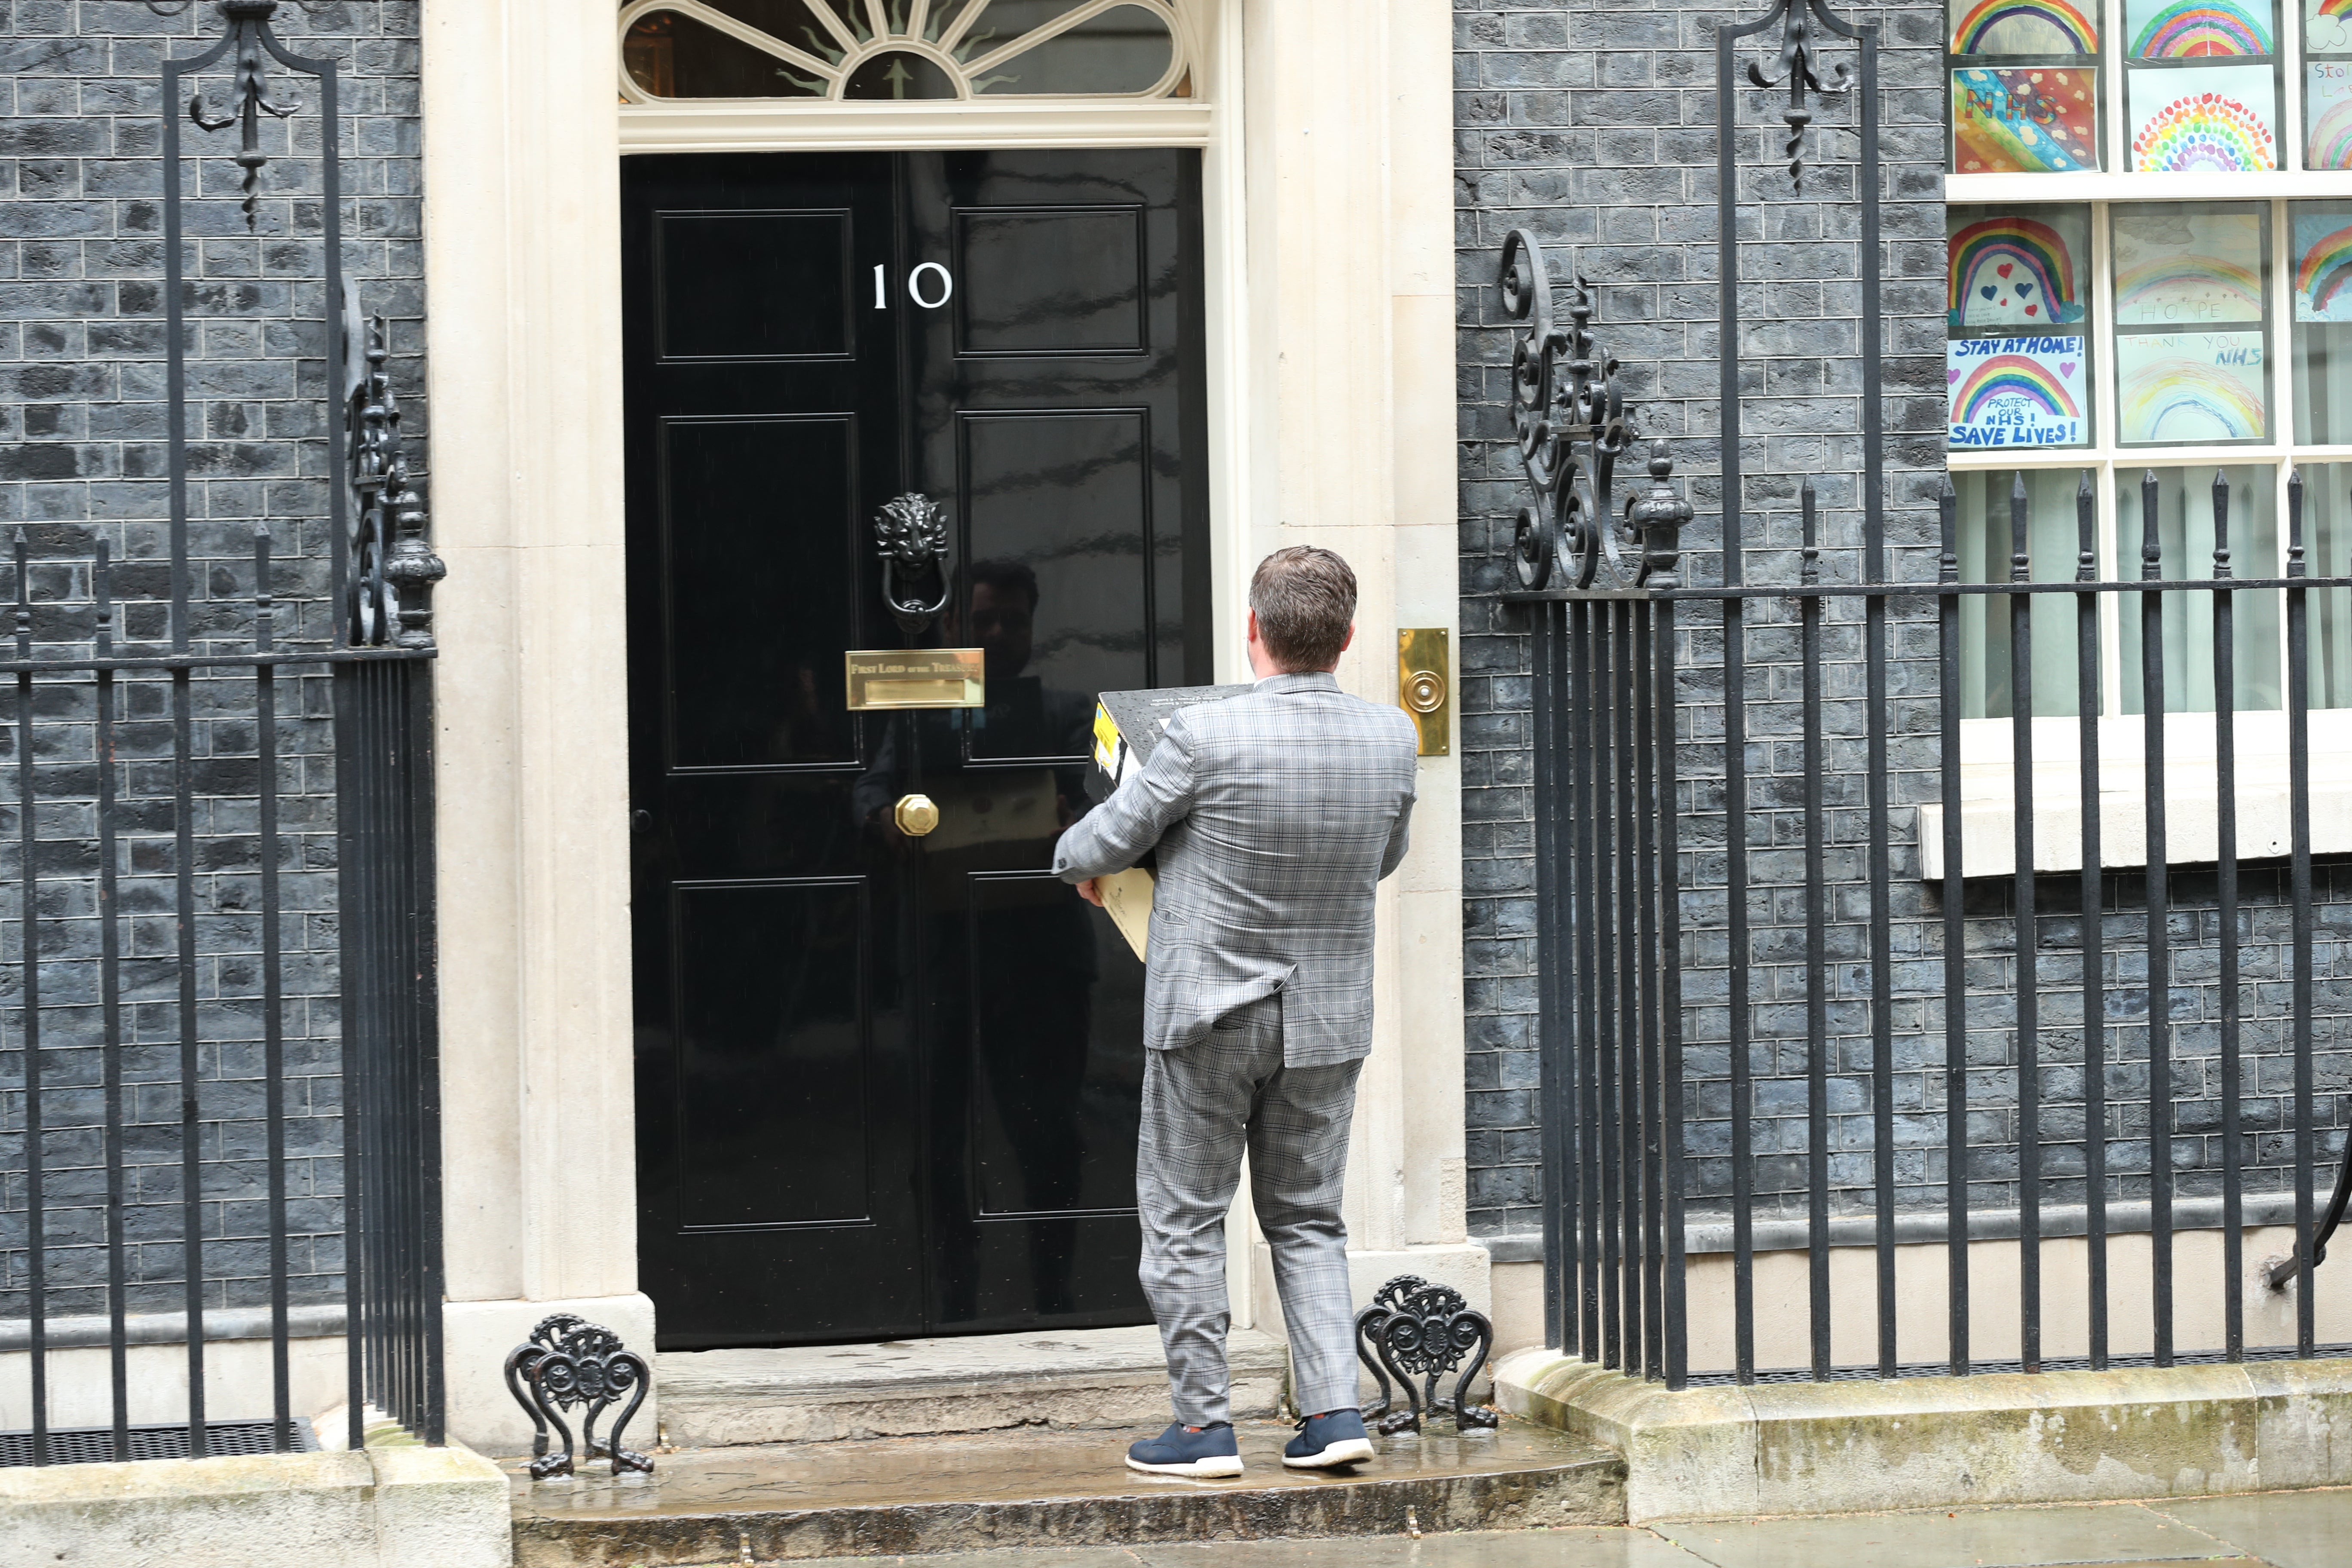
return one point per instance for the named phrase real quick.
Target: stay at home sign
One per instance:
(2015, 392)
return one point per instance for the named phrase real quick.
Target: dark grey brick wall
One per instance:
(82, 457)
(1595, 130)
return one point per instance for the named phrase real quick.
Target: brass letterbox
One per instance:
(916, 678)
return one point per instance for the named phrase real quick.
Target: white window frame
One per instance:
(1988, 778)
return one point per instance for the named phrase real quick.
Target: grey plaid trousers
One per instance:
(1202, 1103)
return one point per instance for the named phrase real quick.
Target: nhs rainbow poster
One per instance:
(2015, 392)
(2185, 388)
(2030, 119)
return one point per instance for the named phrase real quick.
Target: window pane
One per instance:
(2327, 552)
(2025, 85)
(2186, 113)
(2016, 362)
(2323, 321)
(898, 75)
(1124, 49)
(2016, 121)
(793, 22)
(2185, 515)
(2054, 545)
(676, 56)
(2191, 265)
(1004, 20)
(2327, 84)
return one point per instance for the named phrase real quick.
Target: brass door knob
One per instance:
(1424, 691)
(915, 815)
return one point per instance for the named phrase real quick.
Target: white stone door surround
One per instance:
(1327, 146)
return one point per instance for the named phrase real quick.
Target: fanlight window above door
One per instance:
(881, 50)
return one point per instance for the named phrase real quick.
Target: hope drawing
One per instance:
(2176, 269)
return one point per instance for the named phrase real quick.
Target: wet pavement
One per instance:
(1056, 1489)
(2280, 1530)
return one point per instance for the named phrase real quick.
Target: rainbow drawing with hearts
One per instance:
(2323, 280)
(2188, 29)
(2015, 392)
(2012, 271)
(2204, 131)
(2024, 27)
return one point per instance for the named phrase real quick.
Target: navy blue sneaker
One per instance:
(1200, 1451)
(1334, 1438)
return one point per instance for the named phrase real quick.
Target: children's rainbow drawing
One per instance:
(2024, 27)
(2012, 271)
(2188, 270)
(2331, 136)
(2015, 392)
(2328, 25)
(2207, 119)
(2012, 375)
(2027, 119)
(2323, 273)
(2190, 387)
(2187, 29)
(2327, 114)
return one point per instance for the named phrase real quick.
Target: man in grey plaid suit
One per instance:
(1274, 814)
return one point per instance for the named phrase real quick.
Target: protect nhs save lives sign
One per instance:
(2015, 392)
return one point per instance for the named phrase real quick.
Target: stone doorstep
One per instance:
(1086, 1379)
(907, 1496)
(1729, 1452)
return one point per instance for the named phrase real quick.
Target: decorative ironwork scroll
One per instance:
(389, 596)
(1417, 1330)
(1569, 412)
(251, 43)
(569, 1362)
(912, 535)
(1797, 67)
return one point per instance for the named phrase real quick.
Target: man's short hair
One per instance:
(1305, 598)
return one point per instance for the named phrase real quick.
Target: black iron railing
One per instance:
(162, 969)
(1787, 996)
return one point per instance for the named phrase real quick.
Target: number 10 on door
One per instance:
(918, 286)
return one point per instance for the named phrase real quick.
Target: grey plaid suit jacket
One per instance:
(1275, 814)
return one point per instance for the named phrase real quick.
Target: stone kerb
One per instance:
(1849, 1446)
(380, 1508)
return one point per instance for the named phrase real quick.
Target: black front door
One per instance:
(886, 1085)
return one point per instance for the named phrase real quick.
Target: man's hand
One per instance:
(1092, 894)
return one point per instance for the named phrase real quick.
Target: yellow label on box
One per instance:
(916, 678)
(1106, 740)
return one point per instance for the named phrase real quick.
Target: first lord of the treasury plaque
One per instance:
(916, 678)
